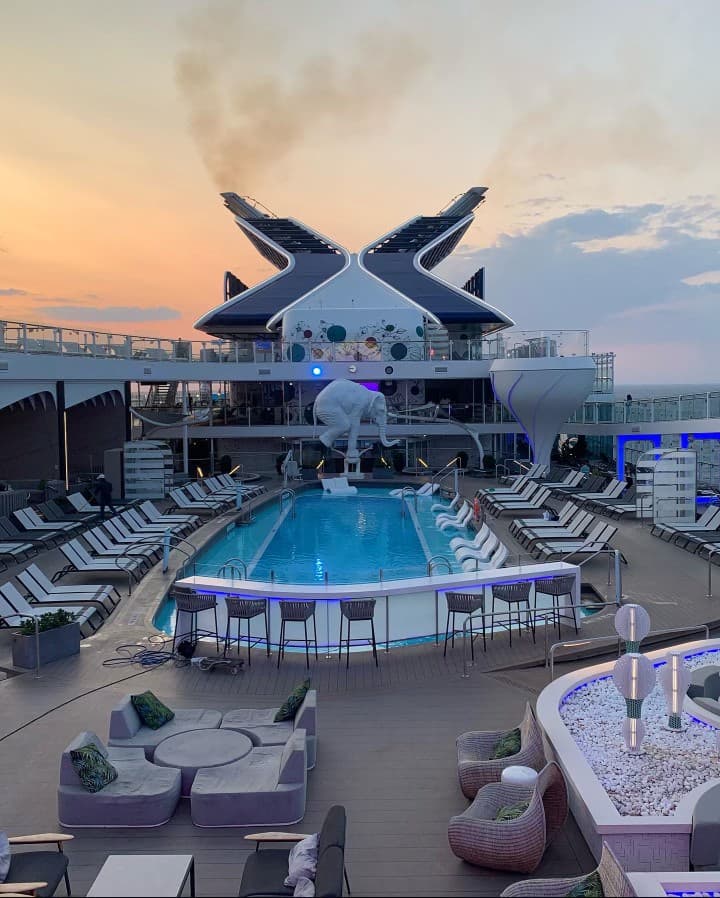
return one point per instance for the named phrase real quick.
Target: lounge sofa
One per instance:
(257, 724)
(126, 728)
(266, 788)
(142, 794)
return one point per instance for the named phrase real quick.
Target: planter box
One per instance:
(54, 644)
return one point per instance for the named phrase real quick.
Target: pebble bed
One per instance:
(673, 763)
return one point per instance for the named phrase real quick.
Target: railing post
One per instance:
(709, 593)
(618, 578)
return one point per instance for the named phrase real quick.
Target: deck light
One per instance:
(423, 462)
(674, 678)
(199, 472)
(320, 464)
(234, 470)
(316, 370)
(634, 678)
(632, 623)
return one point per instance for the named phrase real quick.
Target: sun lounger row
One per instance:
(213, 494)
(701, 537)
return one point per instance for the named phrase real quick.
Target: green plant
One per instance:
(49, 621)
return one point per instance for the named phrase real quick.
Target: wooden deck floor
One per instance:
(386, 748)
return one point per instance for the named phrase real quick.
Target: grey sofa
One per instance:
(127, 730)
(257, 724)
(266, 788)
(142, 795)
(704, 688)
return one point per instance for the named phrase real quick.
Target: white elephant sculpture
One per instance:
(341, 405)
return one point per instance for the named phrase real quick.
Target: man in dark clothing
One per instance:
(103, 495)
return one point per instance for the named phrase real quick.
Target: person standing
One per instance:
(103, 495)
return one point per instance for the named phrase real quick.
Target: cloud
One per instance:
(13, 291)
(701, 280)
(111, 313)
(545, 278)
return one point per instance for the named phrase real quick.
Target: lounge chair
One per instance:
(574, 529)
(127, 729)
(476, 767)
(265, 870)
(37, 872)
(613, 490)
(268, 787)
(155, 516)
(142, 795)
(338, 486)
(496, 560)
(709, 520)
(250, 490)
(590, 483)
(454, 515)
(460, 522)
(42, 589)
(459, 542)
(595, 541)
(102, 547)
(53, 511)
(10, 532)
(564, 516)
(112, 536)
(31, 520)
(196, 492)
(427, 489)
(13, 603)
(519, 844)
(182, 500)
(81, 562)
(612, 876)
(134, 522)
(259, 726)
(534, 472)
(447, 507)
(528, 490)
(483, 552)
(571, 481)
(538, 500)
(15, 552)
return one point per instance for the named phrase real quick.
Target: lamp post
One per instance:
(674, 678)
(632, 623)
(634, 678)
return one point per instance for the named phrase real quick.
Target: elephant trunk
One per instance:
(383, 437)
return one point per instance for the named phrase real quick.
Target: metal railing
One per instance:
(235, 566)
(433, 562)
(712, 552)
(595, 640)
(288, 494)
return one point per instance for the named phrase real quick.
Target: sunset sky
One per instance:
(594, 126)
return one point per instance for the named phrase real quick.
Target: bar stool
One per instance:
(246, 609)
(193, 603)
(353, 610)
(514, 594)
(556, 587)
(464, 603)
(297, 612)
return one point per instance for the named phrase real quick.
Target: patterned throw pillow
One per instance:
(290, 707)
(590, 887)
(4, 856)
(92, 767)
(151, 710)
(507, 745)
(511, 811)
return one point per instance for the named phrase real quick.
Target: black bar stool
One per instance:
(297, 612)
(516, 594)
(464, 603)
(557, 587)
(246, 609)
(353, 610)
(193, 603)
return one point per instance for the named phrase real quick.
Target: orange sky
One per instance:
(349, 119)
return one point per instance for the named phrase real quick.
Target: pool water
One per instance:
(346, 539)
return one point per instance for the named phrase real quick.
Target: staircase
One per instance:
(162, 395)
(437, 341)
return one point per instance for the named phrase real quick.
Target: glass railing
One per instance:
(690, 407)
(40, 338)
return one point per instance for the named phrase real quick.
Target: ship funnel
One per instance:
(464, 204)
(541, 394)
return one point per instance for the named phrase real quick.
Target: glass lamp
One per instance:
(632, 623)
(674, 678)
(634, 678)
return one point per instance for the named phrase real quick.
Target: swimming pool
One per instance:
(336, 540)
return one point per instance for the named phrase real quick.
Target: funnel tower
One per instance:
(541, 394)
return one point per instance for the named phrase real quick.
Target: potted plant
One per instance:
(59, 637)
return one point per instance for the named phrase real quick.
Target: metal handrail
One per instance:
(453, 465)
(572, 643)
(497, 468)
(234, 564)
(436, 558)
(712, 552)
(288, 494)
(613, 555)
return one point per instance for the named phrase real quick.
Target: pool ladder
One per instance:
(435, 560)
(288, 494)
(234, 566)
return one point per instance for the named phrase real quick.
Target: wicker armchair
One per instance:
(519, 844)
(476, 768)
(612, 875)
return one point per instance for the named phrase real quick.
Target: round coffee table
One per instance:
(200, 748)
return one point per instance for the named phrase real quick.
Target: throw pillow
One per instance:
(302, 860)
(291, 705)
(92, 767)
(151, 710)
(511, 811)
(305, 888)
(5, 856)
(507, 745)
(590, 887)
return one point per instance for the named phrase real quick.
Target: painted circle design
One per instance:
(419, 331)
(296, 352)
(336, 333)
(398, 351)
